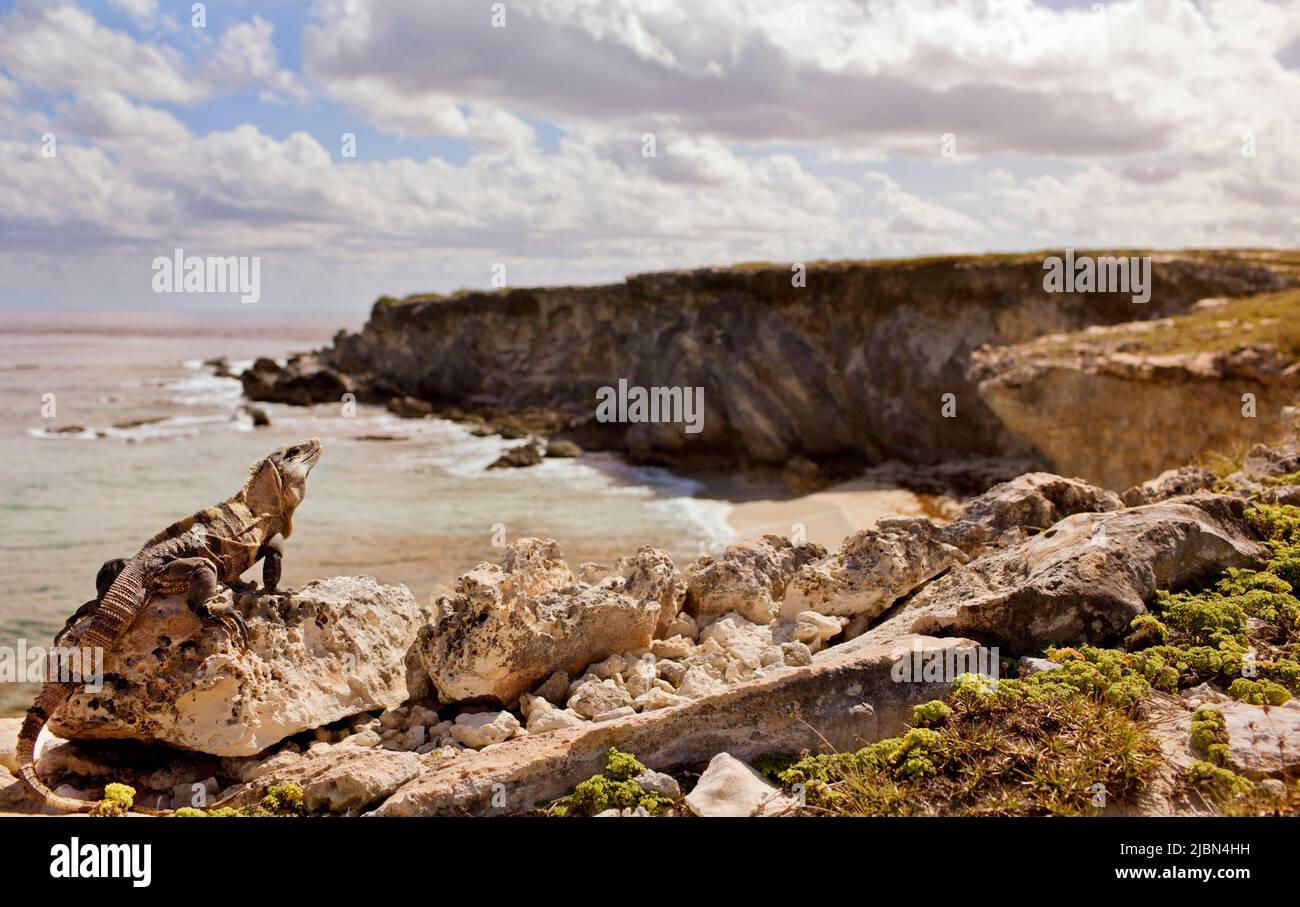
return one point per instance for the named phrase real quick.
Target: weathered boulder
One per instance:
(749, 578)
(653, 576)
(338, 779)
(1171, 483)
(1085, 578)
(330, 650)
(506, 629)
(872, 570)
(730, 788)
(482, 729)
(518, 457)
(1027, 504)
(842, 702)
(303, 380)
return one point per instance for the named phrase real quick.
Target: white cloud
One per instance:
(246, 55)
(59, 47)
(104, 115)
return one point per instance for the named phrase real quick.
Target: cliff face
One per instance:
(1114, 405)
(852, 367)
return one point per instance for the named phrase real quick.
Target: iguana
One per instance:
(215, 545)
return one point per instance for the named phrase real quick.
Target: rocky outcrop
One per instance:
(748, 578)
(1085, 578)
(328, 651)
(838, 704)
(1028, 504)
(1171, 483)
(1116, 416)
(303, 380)
(872, 570)
(852, 367)
(508, 628)
(877, 567)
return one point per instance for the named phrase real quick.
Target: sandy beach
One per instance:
(830, 515)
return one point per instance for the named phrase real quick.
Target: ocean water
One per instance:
(149, 435)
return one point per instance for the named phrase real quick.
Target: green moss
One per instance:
(930, 714)
(1208, 728)
(1258, 692)
(1220, 783)
(621, 766)
(188, 812)
(118, 800)
(1028, 746)
(612, 789)
(285, 798)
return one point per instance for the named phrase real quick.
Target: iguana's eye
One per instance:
(293, 451)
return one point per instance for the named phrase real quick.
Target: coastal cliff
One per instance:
(849, 370)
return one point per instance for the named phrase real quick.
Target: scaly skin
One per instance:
(193, 556)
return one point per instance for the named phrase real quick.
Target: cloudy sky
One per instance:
(782, 131)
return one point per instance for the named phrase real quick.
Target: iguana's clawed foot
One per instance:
(220, 612)
(241, 587)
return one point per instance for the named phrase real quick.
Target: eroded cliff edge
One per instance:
(851, 368)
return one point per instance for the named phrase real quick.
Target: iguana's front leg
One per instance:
(197, 577)
(272, 558)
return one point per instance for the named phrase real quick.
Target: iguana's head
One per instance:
(279, 483)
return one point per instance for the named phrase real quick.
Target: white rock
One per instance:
(324, 653)
(659, 783)
(484, 728)
(614, 714)
(699, 681)
(597, 697)
(730, 788)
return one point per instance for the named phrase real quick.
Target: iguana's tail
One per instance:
(52, 696)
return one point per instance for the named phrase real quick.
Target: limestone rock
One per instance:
(749, 578)
(654, 577)
(482, 729)
(342, 780)
(730, 788)
(1031, 502)
(508, 628)
(598, 697)
(328, 651)
(872, 570)
(658, 783)
(1262, 741)
(1171, 483)
(821, 708)
(1085, 578)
